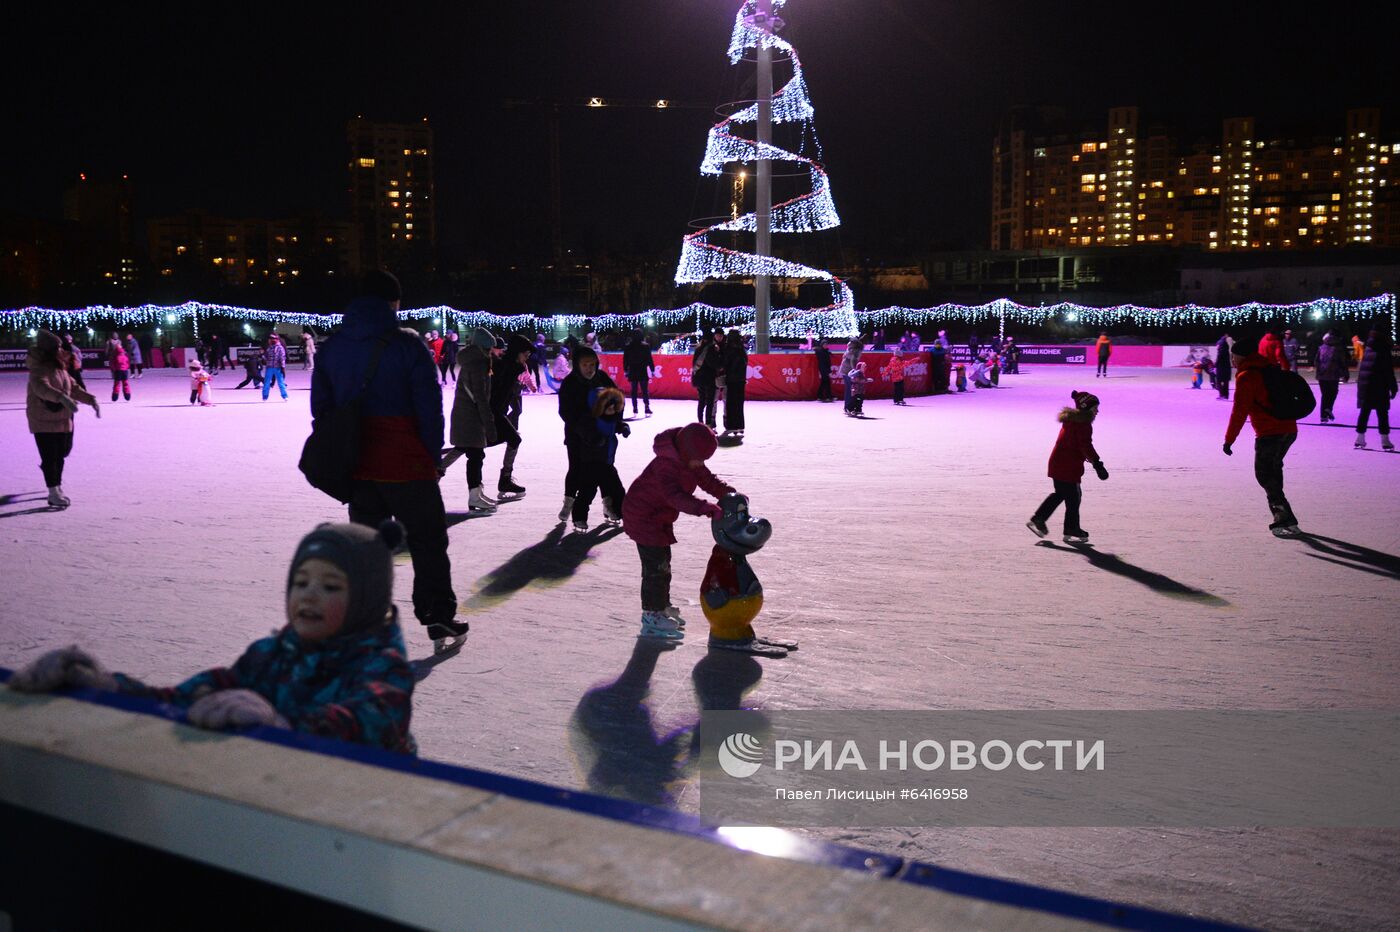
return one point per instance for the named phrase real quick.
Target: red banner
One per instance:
(780, 376)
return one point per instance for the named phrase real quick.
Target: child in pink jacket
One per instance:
(650, 509)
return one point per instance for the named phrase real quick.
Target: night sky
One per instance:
(241, 108)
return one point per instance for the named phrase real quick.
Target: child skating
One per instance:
(855, 385)
(593, 465)
(895, 370)
(1073, 448)
(121, 371)
(650, 509)
(200, 384)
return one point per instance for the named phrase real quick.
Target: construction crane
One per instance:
(552, 109)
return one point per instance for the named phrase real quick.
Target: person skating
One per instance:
(581, 437)
(704, 367)
(401, 436)
(308, 349)
(895, 371)
(473, 421)
(506, 405)
(1375, 388)
(1104, 347)
(133, 352)
(638, 365)
(1271, 348)
(593, 462)
(823, 370)
(856, 380)
(51, 400)
(735, 359)
(1222, 367)
(1073, 448)
(1272, 436)
(654, 501)
(1332, 361)
(252, 368)
(1290, 350)
(337, 668)
(72, 358)
(121, 372)
(276, 366)
(200, 388)
(849, 361)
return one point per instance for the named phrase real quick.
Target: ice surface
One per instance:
(899, 560)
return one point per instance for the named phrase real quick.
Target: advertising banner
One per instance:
(779, 376)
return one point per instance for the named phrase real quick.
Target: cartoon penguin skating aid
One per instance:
(730, 594)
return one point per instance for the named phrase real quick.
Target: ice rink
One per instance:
(899, 560)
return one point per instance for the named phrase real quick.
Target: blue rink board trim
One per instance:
(828, 854)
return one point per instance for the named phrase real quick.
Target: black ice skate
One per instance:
(448, 636)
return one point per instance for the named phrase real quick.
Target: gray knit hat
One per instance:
(366, 557)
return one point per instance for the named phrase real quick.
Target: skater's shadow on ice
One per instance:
(19, 498)
(554, 559)
(616, 743)
(1353, 556)
(1154, 581)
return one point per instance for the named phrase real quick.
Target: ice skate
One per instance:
(581, 526)
(1386, 444)
(57, 499)
(478, 503)
(1037, 527)
(612, 515)
(568, 508)
(646, 412)
(1285, 530)
(1076, 537)
(674, 614)
(753, 646)
(448, 636)
(661, 626)
(1360, 443)
(506, 489)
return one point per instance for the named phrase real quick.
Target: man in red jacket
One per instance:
(1272, 436)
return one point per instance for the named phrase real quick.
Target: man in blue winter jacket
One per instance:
(401, 437)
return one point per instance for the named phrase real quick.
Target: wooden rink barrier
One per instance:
(307, 822)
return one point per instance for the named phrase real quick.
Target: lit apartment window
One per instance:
(408, 152)
(1088, 147)
(393, 193)
(218, 260)
(366, 163)
(1087, 177)
(179, 250)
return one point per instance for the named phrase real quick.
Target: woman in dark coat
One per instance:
(1375, 387)
(1222, 367)
(1332, 361)
(736, 373)
(703, 366)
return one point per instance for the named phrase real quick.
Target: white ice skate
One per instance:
(1076, 537)
(612, 515)
(581, 526)
(1386, 444)
(56, 497)
(478, 503)
(1360, 443)
(660, 625)
(568, 508)
(674, 614)
(1037, 527)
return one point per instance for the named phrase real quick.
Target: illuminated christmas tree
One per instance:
(703, 259)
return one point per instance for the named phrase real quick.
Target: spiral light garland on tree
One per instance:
(702, 260)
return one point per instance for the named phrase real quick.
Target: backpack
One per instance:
(331, 453)
(1290, 397)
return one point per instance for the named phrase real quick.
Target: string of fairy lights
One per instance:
(702, 260)
(695, 317)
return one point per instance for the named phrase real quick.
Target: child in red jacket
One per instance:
(1073, 448)
(652, 505)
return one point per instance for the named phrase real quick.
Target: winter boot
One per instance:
(1360, 443)
(612, 515)
(661, 626)
(568, 508)
(57, 499)
(1386, 444)
(448, 636)
(478, 503)
(507, 486)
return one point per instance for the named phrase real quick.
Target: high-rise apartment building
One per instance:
(100, 232)
(196, 245)
(391, 196)
(1130, 183)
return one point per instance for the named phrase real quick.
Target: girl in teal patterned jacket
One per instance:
(339, 667)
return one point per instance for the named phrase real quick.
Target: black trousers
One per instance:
(418, 507)
(824, 386)
(734, 407)
(1069, 493)
(644, 385)
(593, 478)
(899, 391)
(705, 406)
(1222, 383)
(656, 577)
(252, 377)
(1382, 419)
(1103, 366)
(1329, 394)
(1268, 472)
(53, 450)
